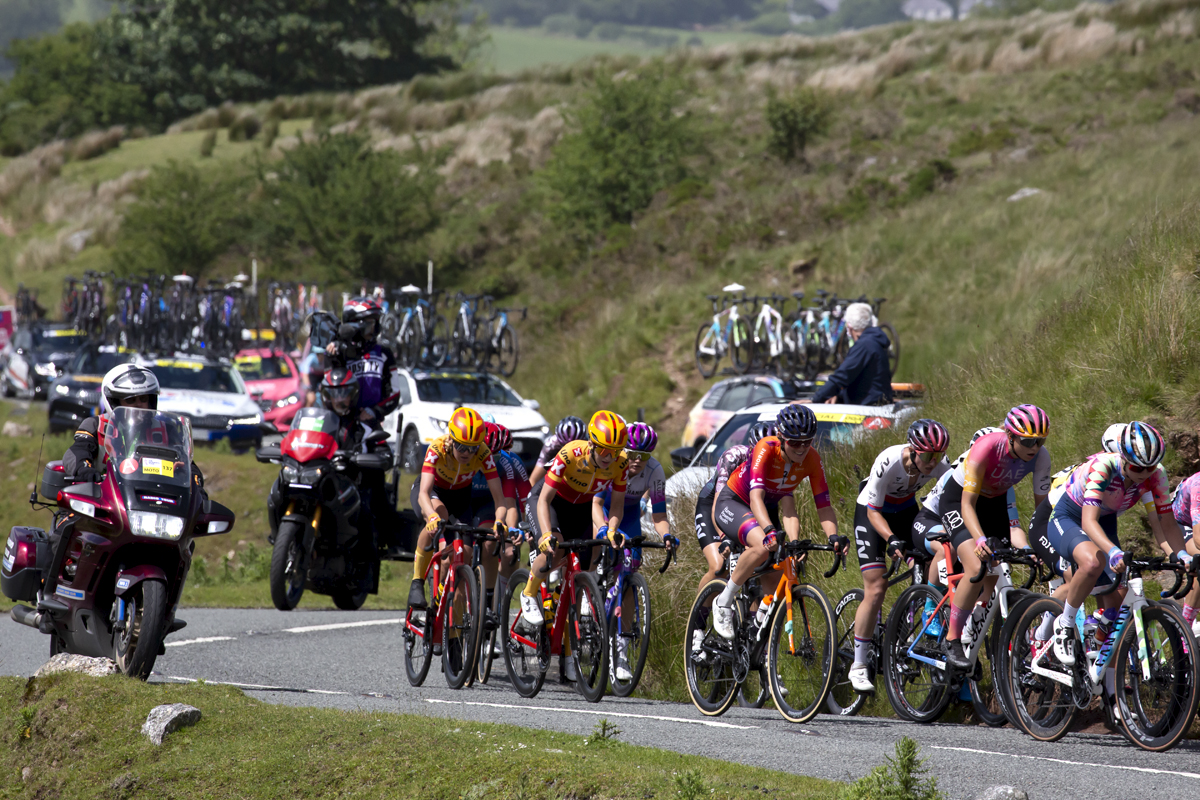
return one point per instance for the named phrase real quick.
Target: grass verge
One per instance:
(79, 737)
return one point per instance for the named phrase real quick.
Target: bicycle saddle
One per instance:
(734, 287)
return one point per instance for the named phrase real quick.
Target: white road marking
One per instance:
(706, 722)
(1193, 775)
(201, 640)
(255, 686)
(336, 625)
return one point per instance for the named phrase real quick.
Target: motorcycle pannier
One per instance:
(20, 578)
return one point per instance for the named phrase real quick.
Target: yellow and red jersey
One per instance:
(446, 470)
(574, 476)
(769, 469)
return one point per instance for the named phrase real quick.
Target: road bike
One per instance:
(421, 332)
(71, 298)
(497, 342)
(494, 614)
(623, 587)
(728, 333)
(773, 345)
(462, 335)
(1144, 674)
(799, 650)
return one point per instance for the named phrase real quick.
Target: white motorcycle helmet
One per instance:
(1111, 439)
(125, 381)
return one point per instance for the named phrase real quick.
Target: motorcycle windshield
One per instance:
(151, 452)
(317, 420)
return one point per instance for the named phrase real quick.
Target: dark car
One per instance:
(35, 357)
(76, 394)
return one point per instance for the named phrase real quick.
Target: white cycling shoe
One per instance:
(1064, 643)
(1196, 627)
(531, 611)
(622, 670)
(698, 654)
(569, 669)
(860, 678)
(723, 620)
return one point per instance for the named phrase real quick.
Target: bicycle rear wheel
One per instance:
(589, 637)
(985, 694)
(801, 654)
(843, 700)
(437, 341)
(418, 641)
(710, 668)
(707, 353)
(741, 346)
(507, 356)
(635, 631)
(1041, 706)
(1155, 713)
(462, 621)
(526, 653)
(487, 637)
(916, 689)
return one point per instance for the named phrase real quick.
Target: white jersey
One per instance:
(889, 484)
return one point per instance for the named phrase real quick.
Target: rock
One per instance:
(26, 774)
(169, 718)
(1021, 194)
(68, 662)
(803, 266)
(16, 429)
(1019, 155)
(1002, 793)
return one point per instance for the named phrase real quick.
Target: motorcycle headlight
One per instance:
(62, 389)
(160, 526)
(46, 370)
(311, 476)
(291, 474)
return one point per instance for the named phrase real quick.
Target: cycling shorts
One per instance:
(991, 511)
(573, 521)
(1065, 532)
(926, 522)
(706, 529)
(735, 519)
(1039, 539)
(457, 502)
(871, 544)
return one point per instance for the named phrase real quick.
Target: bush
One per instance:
(270, 133)
(208, 144)
(901, 778)
(245, 127)
(795, 120)
(627, 143)
(97, 143)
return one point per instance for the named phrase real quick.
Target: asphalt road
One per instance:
(354, 660)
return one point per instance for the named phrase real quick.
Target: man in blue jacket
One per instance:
(865, 377)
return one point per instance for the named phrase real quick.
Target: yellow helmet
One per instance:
(466, 426)
(607, 430)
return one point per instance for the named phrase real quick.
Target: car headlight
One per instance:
(160, 526)
(545, 429)
(46, 370)
(62, 389)
(257, 418)
(440, 424)
(291, 400)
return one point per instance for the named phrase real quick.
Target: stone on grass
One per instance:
(1002, 793)
(86, 665)
(16, 429)
(169, 718)
(1021, 194)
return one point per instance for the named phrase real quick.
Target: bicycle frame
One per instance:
(457, 554)
(558, 630)
(772, 321)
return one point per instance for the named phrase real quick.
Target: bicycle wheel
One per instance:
(893, 345)
(462, 621)
(1041, 706)
(437, 341)
(843, 700)
(801, 654)
(487, 635)
(755, 690)
(707, 354)
(507, 356)
(462, 345)
(985, 696)
(1155, 712)
(760, 353)
(741, 346)
(408, 348)
(418, 641)
(636, 633)
(589, 637)
(914, 688)
(526, 654)
(710, 668)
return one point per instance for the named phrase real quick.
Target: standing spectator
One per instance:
(865, 376)
(313, 367)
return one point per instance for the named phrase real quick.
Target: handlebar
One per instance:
(487, 534)
(791, 549)
(1177, 591)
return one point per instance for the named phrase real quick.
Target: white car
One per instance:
(212, 394)
(428, 398)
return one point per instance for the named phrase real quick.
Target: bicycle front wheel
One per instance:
(802, 653)
(843, 700)
(526, 653)
(1155, 712)
(916, 688)
(418, 641)
(709, 658)
(589, 637)
(634, 631)
(507, 357)
(741, 346)
(707, 355)
(462, 620)
(1041, 706)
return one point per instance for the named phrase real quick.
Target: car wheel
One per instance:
(409, 451)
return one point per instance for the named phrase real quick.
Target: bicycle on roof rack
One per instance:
(727, 334)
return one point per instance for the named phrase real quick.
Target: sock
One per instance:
(1046, 629)
(1068, 615)
(421, 561)
(725, 599)
(1189, 614)
(532, 585)
(958, 618)
(862, 649)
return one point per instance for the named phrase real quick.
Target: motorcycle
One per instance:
(112, 585)
(314, 510)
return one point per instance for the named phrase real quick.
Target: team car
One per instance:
(35, 357)
(725, 397)
(75, 395)
(212, 394)
(427, 398)
(274, 382)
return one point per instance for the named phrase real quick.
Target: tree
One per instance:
(20, 19)
(795, 120)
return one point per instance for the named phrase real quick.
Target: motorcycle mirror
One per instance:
(375, 437)
(218, 527)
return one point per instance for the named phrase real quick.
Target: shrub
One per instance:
(245, 127)
(208, 144)
(97, 143)
(795, 120)
(901, 778)
(270, 133)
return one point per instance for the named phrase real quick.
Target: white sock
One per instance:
(1046, 629)
(725, 599)
(1068, 615)
(862, 650)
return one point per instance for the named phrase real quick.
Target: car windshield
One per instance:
(61, 341)
(466, 389)
(832, 428)
(98, 362)
(197, 377)
(263, 368)
(149, 445)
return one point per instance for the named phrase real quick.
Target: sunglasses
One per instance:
(1031, 442)
(1139, 470)
(466, 448)
(799, 444)
(637, 455)
(927, 457)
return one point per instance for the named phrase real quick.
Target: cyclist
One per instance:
(883, 518)
(1083, 525)
(562, 505)
(444, 488)
(776, 467)
(568, 429)
(974, 506)
(514, 484)
(645, 482)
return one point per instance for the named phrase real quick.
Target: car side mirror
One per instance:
(532, 405)
(682, 456)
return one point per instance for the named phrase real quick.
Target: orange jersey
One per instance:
(448, 473)
(575, 477)
(769, 469)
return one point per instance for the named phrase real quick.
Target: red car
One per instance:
(275, 382)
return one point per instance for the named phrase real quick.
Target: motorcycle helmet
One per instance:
(608, 430)
(365, 311)
(339, 391)
(126, 381)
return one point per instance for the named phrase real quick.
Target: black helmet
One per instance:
(758, 431)
(339, 391)
(365, 311)
(796, 421)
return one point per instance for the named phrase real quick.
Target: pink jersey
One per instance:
(1186, 504)
(989, 470)
(1100, 482)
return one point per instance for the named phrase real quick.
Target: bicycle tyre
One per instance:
(741, 346)
(1041, 706)
(437, 341)
(893, 345)
(760, 352)
(707, 362)
(755, 690)
(926, 701)
(843, 700)
(509, 352)
(710, 680)
(1171, 690)
(418, 643)
(1000, 665)
(641, 637)
(589, 637)
(408, 349)
(462, 346)
(808, 655)
(521, 662)
(985, 694)
(458, 652)
(487, 642)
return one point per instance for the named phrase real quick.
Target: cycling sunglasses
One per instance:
(639, 455)
(466, 448)
(934, 456)
(799, 444)
(1133, 468)
(1031, 442)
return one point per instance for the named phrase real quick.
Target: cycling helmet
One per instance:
(642, 438)
(1141, 445)
(1111, 440)
(759, 430)
(979, 434)
(1027, 421)
(496, 437)
(607, 430)
(570, 429)
(364, 310)
(796, 421)
(126, 381)
(339, 391)
(928, 436)
(466, 426)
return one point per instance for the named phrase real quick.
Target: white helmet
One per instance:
(125, 381)
(1111, 439)
(979, 434)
